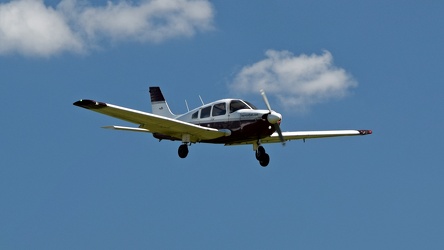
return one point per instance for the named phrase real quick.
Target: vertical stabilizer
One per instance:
(159, 104)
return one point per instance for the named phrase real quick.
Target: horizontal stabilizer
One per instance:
(127, 129)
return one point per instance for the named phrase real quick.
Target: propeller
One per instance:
(273, 118)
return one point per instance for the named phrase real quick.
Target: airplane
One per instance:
(226, 121)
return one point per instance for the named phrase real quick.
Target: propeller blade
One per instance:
(279, 131)
(276, 124)
(265, 100)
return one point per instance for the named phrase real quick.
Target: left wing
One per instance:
(152, 123)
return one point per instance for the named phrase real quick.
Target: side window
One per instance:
(195, 115)
(219, 109)
(205, 112)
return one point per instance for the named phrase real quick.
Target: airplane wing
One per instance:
(151, 123)
(302, 135)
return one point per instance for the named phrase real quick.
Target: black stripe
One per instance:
(156, 95)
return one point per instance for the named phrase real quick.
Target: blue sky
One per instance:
(65, 183)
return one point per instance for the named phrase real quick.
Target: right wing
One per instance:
(152, 123)
(302, 135)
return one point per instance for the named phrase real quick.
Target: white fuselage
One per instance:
(240, 118)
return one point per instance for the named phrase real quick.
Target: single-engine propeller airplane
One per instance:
(226, 121)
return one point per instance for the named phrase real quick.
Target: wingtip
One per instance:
(365, 132)
(89, 104)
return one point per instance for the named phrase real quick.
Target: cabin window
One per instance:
(219, 109)
(205, 112)
(235, 105)
(195, 115)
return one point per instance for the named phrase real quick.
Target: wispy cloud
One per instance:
(297, 81)
(30, 27)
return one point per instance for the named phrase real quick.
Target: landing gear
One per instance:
(183, 150)
(262, 156)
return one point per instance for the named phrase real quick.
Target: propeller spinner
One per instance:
(274, 118)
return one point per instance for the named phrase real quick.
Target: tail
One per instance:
(159, 104)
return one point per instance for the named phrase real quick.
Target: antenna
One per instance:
(186, 103)
(201, 100)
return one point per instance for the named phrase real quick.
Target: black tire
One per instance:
(265, 159)
(183, 151)
(260, 152)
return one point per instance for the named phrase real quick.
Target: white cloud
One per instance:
(297, 81)
(30, 27)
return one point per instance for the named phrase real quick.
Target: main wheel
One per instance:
(264, 160)
(183, 151)
(260, 152)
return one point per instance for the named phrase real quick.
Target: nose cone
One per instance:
(274, 117)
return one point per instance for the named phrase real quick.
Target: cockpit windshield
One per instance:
(251, 105)
(235, 105)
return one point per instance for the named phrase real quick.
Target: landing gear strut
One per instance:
(262, 156)
(183, 150)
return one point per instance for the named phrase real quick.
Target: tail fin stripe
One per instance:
(156, 95)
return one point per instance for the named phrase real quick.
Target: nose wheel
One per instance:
(262, 156)
(183, 150)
